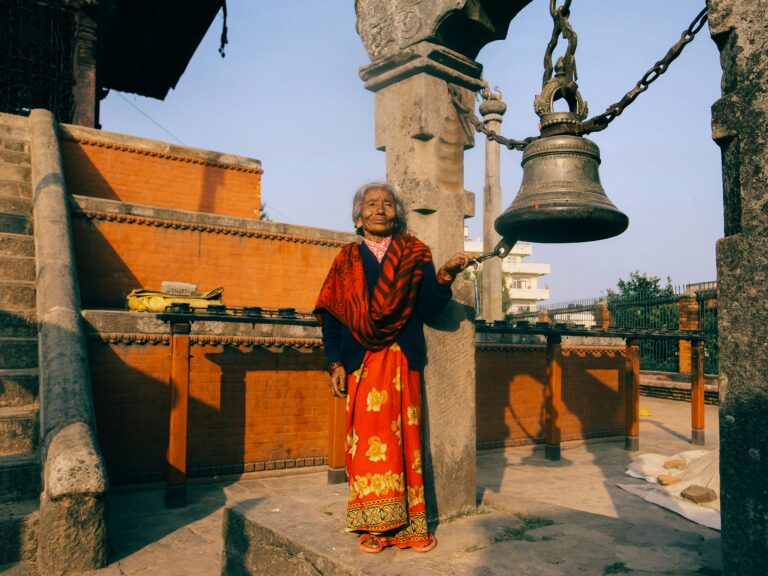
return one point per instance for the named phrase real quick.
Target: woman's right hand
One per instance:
(339, 382)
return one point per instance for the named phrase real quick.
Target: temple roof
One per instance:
(147, 44)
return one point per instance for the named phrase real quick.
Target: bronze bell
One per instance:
(561, 198)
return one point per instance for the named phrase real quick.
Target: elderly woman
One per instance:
(371, 307)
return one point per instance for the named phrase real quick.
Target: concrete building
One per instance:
(520, 278)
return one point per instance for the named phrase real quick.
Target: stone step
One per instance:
(21, 245)
(15, 189)
(15, 268)
(17, 157)
(18, 430)
(18, 531)
(18, 387)
(15, 173)
(16, 295)
(19, 478)
(18, 206)
(14, 125)
(18, 324)
(18, 353)
(15, 224)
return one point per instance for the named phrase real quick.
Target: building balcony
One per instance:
(530, 294)
(526, 269)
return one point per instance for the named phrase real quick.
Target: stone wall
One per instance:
(739, 121)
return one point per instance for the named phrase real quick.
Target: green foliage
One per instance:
(642, 302)
(263, 214)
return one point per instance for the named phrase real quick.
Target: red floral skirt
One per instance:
(383, 450)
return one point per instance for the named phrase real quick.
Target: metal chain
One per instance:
(467, 116)
(601, 121)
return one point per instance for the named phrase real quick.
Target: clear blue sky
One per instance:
(288, 93)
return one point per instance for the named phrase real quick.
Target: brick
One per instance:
(15, 145)
(18, 157)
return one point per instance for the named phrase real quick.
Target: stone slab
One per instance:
(18, 531)
(15, 189)
(18, 431)
(13, 205)
(302, 534)
(16, 268)
(18, 353)
(18, 387)
(20, 245)
(15, 224)
(19, 478)
(18, 323)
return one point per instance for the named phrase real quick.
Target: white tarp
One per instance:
(702, 468)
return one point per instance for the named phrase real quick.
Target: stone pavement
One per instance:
(537, 517)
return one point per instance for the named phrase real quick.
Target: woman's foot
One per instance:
(369, 543)
(428, 546)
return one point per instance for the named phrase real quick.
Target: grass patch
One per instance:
(616, 568)
(528, 523)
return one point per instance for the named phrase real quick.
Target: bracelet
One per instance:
(333, 365)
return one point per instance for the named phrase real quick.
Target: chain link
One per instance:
(467, 116)
(601, 121)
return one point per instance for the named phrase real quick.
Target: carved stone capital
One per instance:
(424, 57)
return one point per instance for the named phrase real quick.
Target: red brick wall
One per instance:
(510, 394)
(117, 171)
(250, 409)
(115, 256)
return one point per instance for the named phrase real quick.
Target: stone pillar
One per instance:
(603, 315)
(492, 109)
(86, 100)
(740, 128)
(417, 50)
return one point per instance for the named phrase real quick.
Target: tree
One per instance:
(642, 302)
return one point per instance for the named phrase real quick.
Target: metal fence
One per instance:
(659, 311)
(37, 42)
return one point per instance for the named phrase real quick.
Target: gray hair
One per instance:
(401, 223)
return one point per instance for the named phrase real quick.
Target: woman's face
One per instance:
(377, 217)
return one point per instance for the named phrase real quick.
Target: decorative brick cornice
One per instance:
(130, 338)
(206, 340)
(160, 154)
(499, 347)
(594, 351)
(199, 227)
(253, 341)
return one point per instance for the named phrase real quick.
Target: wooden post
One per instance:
(337, 472)
(554, 398)
(176, 456)
(697, 392)
(632, 395)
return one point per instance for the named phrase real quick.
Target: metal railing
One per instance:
(658, 312)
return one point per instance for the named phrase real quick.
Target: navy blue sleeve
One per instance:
(433, 297)
(331, 337)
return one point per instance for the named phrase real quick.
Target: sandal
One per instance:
(370, 543)
(428, 546)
